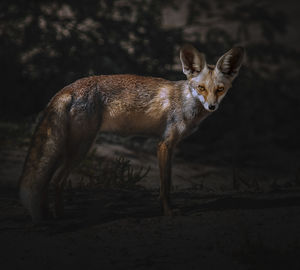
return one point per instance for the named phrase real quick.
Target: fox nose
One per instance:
(212, 107)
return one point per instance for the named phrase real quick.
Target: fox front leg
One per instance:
(164, 154)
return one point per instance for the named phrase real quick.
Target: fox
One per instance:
(127, 105)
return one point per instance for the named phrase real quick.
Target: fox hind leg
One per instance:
(73, 159)
(59, 181)
(79, 142)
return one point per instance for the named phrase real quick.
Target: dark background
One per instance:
(47, 45)
(241, 207)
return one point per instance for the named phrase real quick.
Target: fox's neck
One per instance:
(191, 99)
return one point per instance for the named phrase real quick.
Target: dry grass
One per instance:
(110, 173)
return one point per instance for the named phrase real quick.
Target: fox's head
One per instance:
(210, 83)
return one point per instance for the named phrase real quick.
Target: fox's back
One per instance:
(135, 104)
(129, 103)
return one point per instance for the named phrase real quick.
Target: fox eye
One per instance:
(220, 89)
(201, 88)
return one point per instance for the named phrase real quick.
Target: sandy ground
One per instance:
(220, 224)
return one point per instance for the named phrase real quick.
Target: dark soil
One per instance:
(121, 229)
(241, 218)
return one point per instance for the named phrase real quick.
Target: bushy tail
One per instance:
(42, 161)
(37, 171)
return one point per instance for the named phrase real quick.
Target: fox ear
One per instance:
(192, 61)
(230, 63)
